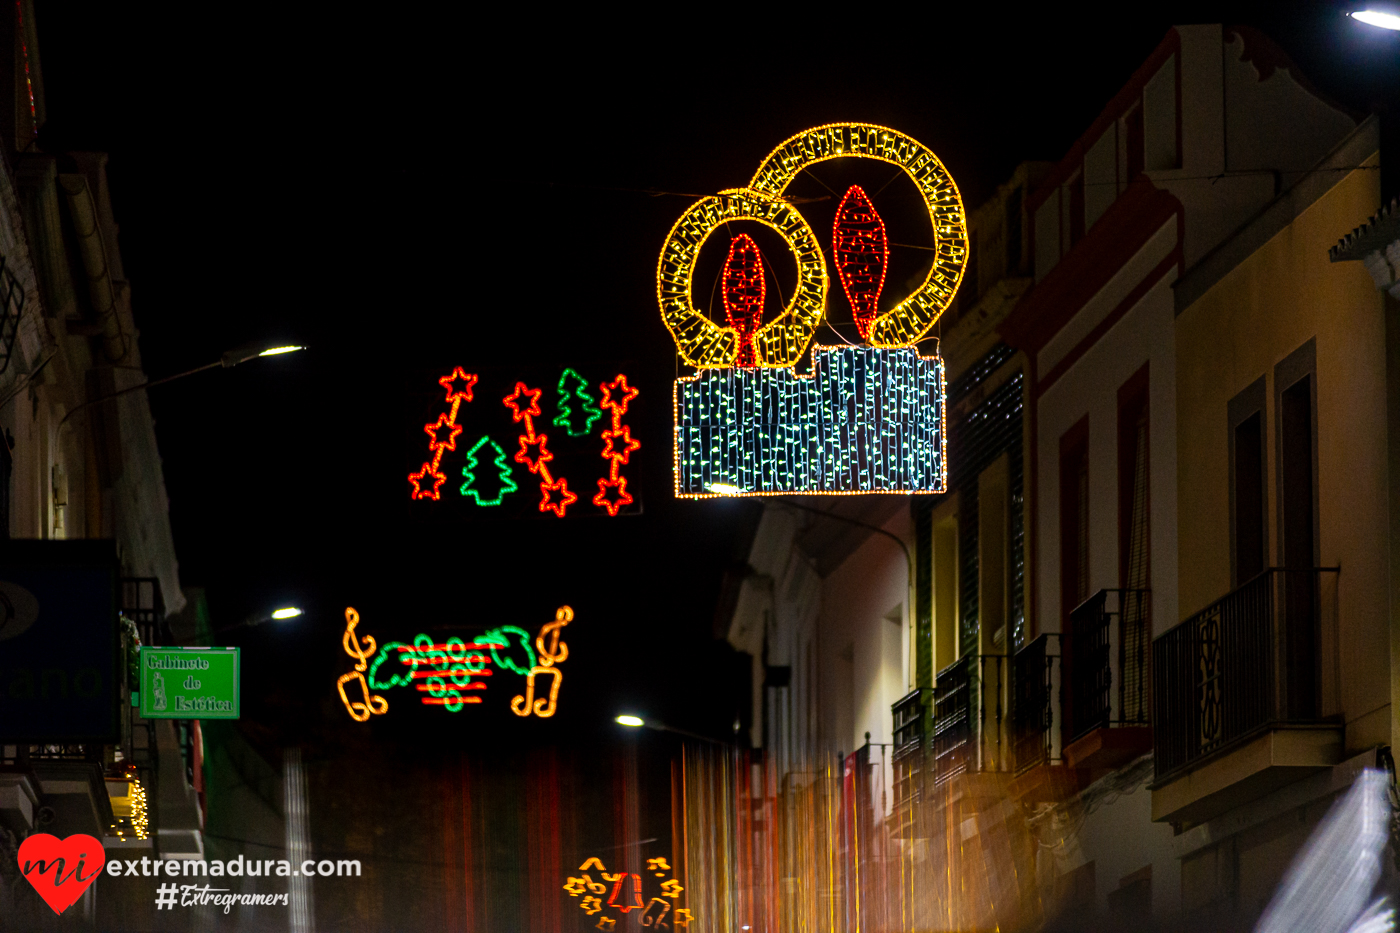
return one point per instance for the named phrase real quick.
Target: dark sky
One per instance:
(400, 188)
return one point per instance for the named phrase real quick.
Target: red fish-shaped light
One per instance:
(744, 290)
(862, 255)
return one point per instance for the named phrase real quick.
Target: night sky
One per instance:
(404, 190)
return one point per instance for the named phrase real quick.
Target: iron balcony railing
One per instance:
(1247, 660)
(910, 746)
(1109, 662)
(1037, 711)
(970, 717)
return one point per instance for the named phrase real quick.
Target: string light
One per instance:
(554, 494)
(743, 289)
(427, 482)
(372, 704)
(866, 420)
(617, 446)
(140, 823)
(502, 471)
(574, 386)
(862, 254)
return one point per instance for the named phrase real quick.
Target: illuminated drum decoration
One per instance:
(867, 419)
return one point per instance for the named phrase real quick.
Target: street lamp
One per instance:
(257, 618)
(1378, 18)
(636, 722)
(228, 360)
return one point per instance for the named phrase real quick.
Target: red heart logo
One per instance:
(61, 869)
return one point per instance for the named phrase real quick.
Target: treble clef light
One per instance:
(358, 648)
(552, 651)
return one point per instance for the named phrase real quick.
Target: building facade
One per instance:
(80, 483)
(1134, 654)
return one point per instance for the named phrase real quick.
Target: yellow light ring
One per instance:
(704, 343)
(908, 321)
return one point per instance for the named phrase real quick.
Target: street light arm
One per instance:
(908, 557)
(129, 389)
(227, 361)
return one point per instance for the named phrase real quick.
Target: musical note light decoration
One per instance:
(453, 674)
(372, 704)
(552, 651)
(866, 419)
(622, 892)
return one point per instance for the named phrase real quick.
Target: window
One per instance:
(1074, 518)
(1248, 531)
(1134, 546)
(1296, 405)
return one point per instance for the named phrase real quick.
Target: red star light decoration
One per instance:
(437, 429)
(554, 494)
(618, 445)
(428, 481)
(458, 384)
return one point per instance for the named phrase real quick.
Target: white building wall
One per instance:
(1145, 334)
(864, 616)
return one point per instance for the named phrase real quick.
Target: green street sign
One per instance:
(189, 683)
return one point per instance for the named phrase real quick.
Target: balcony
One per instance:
(970, 717)
(1240, 702)
(1109, 670)
(909, 756)
(1038, 708)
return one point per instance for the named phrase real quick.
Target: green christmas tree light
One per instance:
(503, 473)
(572, 384)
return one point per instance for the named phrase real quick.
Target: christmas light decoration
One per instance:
(909, 320)
(443, 673)
(551, 651)
(624, 894)
(502, 472)
(703, 343)
(743, 289)
(617, 446)
(862, 253)
(781, 342)
(427, 482)
(372, 704)
(620, 883)
(573, 389)
(487, 466)
(865, 420)
(554, 494)
(140, 819)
